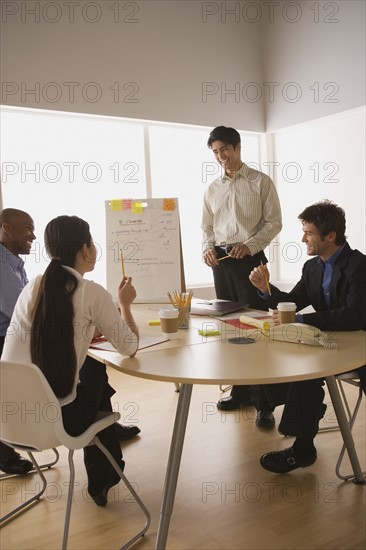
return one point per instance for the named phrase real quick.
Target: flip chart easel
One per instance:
(147, 233)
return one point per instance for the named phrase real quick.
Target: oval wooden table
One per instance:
(202, 360)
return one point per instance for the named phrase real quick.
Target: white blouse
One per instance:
(93, 307)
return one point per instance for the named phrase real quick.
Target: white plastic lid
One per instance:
(168, 313)
(286, 306)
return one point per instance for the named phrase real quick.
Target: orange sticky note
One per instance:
(137, 207)
(169, 204)
(116, 204)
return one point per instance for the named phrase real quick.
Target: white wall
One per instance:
(172, 60)
(253, 65)
(322, 159)
(313, 60)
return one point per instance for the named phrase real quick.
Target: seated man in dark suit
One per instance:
(334, 284)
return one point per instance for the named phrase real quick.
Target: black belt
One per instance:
(226, 248)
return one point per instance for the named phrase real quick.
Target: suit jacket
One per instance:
(347, 295)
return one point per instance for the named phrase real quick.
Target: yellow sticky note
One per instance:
(154, 323)
(169, 204)
(208, 332)
(116, 204)
(137, 207)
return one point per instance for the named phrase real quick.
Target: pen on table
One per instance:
(123, 265)
(224, 258)
(266, 279)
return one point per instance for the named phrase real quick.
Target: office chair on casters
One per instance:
(32, 421)
(352, 378)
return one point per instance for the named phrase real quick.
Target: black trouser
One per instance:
(6, 453)
(93, 397)
(302, 402)
(231, 278)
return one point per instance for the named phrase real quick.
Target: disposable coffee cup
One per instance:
(169, 322)
(287, 312)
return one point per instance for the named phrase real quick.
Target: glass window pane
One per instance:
(55, 164)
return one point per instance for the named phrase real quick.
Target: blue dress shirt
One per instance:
(13, 279)
(327, 268)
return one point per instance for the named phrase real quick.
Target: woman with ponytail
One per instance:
(52, 326)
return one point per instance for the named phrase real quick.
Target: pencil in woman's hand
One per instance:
(123, 265)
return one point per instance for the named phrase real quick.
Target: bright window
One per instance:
(62, 163)
(54, 164)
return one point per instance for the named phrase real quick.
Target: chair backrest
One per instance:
(30, 412)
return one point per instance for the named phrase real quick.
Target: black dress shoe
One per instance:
(282, 462)
(101, 498)
(230, 404)
(265, 420)
(127, 432)
(17, 466)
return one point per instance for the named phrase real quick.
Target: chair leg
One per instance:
(69, 499)
(351, 424)
(351, 419)
(41, 466)
(142, 532)
(335, 426)
(32, 500)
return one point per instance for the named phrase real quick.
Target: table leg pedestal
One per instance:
(175, 455)
(345, 429)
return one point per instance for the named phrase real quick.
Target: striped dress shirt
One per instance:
(244, 209)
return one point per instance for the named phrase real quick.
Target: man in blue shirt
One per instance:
(333, 283)
(16, 237)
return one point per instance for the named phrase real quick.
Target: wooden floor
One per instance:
(224, 500)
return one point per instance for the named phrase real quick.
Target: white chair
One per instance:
(31, 421)
(35, 498)
(42, 466)
(352, 378)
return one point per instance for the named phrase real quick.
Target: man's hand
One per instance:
(276, 317)
(238, 251)
(210, 257)
(257, 278)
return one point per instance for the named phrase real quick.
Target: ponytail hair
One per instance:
(52, 335)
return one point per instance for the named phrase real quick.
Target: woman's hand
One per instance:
(126, 295)
(126, 292)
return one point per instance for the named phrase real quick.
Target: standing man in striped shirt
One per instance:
(241, 216)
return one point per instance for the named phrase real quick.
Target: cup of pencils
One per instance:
(182, 302)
